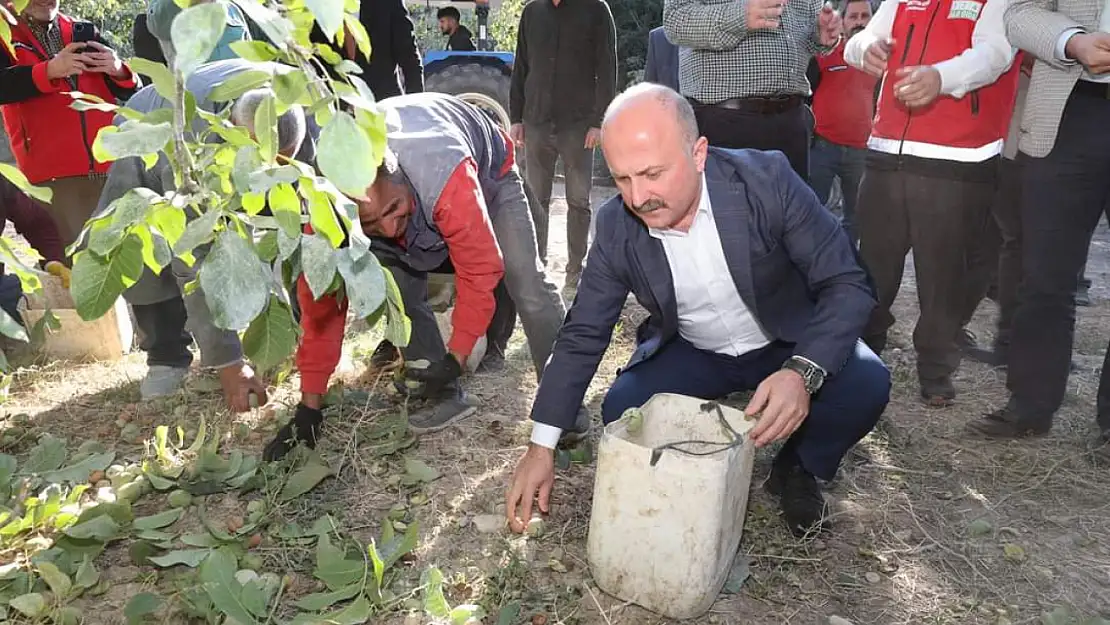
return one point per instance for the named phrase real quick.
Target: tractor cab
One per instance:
(479, 77)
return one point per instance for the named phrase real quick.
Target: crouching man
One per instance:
(169, 321)
(750, 284)
(448, 198)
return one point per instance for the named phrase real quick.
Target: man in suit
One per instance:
(1065, 144)
(750, 284)
(662, 60)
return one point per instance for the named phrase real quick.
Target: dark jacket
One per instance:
(792, 263)
(462, 40)
(49, 138)
(565, 70)
(145, 44)
(392, 48)
(31, 221)
(662, 60)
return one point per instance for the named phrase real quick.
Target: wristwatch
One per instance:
(812, 375)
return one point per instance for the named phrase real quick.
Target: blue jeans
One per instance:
(842, 412)
(828, 160)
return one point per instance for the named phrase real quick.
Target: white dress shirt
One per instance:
(711, 314)
(1062, 43)
(989, 56)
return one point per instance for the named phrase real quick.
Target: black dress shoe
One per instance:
(803, 506)
(385, 355)
(1006, 423)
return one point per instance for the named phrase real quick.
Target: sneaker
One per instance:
(161, 381)
(803, 506)
(385, 355)
(435, 415)
(581, 428)
(1006, 423)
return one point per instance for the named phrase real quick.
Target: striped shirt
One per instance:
(721, 59)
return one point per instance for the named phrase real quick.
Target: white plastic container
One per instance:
(108, 338)
(664, 536)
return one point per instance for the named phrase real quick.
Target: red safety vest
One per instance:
(49, 139)
(843, 102)
(970, 129)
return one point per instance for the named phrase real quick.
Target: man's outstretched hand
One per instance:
(239, 382)
(303, 428)
(534, 475)
(782, 403)
(436, 376)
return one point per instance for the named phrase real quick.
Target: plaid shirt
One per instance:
(720, 59)
(50, 36)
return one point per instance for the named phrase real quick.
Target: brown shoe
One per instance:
(938, 393)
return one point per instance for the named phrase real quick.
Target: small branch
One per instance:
(181, 151)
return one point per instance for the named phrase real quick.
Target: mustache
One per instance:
(857, 30)
(649, 206)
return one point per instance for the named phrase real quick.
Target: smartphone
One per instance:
(84, 31)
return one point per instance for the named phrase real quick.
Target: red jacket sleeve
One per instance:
(322, 324)
(461, 217)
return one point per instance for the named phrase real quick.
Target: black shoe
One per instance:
(939, 393)
(385, 355)
(303, 428)
(581, 429)
(433, 415)
(966, 340)
(1006, 423)
(996, 357)
(492, 362)
(803, 505)
(1082, 297)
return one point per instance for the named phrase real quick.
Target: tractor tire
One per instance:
(484, 86)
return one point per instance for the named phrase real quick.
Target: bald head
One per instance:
(650, 139)
(290, 125)
(649, 104)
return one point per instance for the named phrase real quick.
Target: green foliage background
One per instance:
(113, 17)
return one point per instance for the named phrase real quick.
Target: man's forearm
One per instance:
(702, 26)
(1032, 26)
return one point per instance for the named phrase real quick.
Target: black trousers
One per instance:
(1064, 196)
(162, 333)
(787, 131)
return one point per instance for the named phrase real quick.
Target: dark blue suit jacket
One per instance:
(662, 60)
(792, 263)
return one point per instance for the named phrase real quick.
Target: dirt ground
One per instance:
(910, 545)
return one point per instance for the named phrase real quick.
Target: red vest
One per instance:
(843, 102)
(48, 138)
(970, 129)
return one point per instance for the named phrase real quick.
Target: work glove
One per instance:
(436, 376)
(303, 428)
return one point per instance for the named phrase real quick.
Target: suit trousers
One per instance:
(787, 131)
(939, 217)
(525, 286)
(843, 411)
(544, 145)
(1065, 195)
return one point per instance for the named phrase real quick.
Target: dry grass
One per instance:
(903, 549)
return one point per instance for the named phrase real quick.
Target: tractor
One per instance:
(480, 77)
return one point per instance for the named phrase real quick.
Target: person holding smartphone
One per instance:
(50, 55)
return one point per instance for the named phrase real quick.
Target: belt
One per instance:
(1093, 89)
(761, 105)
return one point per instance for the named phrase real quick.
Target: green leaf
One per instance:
(398, 326)
(271, 337)
(239, 84)
(290, 87)
(133, 138)
(358, 612)
(198, 231)
(87, 576)
(319, 261)
(265, 129)
(979, 527)
(195, 33)
(394, 548)
(101, 528)
(323, 600)
(168, 221)
(201, 540)
(16, 177)
(417, 471)
(11, 328)
(96, 282)
(141, 605)
(304, 479)
(321, 214)
(31, 605)
(78, 472)
(257, 51)
(187, 557)
(510, 614)
(58, 581)
(217, 573)
(328, 14)
(47, 455)
(236, 284)
(160, 520)
(286, 208)
(278, 29)
(158, 73)
(346, 155)
(435, 604)
(738, 574)
(364, 279)
(463, 614)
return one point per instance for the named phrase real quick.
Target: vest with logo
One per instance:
(843, 103)
(434, 134)
(970, 129)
